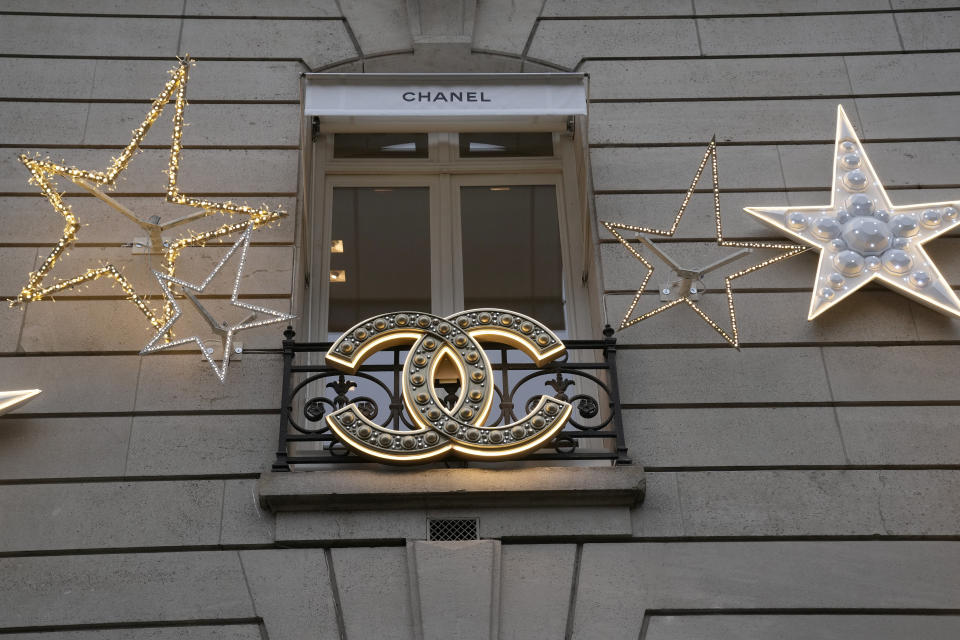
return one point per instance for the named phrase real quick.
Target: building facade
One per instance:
(803, 485)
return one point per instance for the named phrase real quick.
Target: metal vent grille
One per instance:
(453, 529)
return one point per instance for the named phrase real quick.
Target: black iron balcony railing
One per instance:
(311, 390)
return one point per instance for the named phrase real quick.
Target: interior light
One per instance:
(499, 188)
(336, 246)
(485, 147)
(382, 190)
(400, 147)
(338, 275)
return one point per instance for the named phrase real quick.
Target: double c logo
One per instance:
(444, 350)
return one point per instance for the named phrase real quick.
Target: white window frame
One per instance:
(444, 172)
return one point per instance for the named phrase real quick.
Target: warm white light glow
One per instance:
(338, 275)
(336, 246)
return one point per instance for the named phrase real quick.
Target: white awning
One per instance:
(443, 101)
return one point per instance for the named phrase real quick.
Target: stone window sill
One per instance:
(367, 489)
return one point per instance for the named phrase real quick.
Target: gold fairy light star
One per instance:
(224, 330)
(863, 237)
(687, 284)
(43, 173)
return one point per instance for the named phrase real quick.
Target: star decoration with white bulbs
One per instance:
(225, 330)
(688, 286)
(863, 237)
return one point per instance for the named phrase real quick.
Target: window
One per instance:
(443, 221)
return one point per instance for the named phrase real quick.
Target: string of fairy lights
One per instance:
(43, 173)
(788, 250)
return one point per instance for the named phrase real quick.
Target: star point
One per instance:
(863, 237)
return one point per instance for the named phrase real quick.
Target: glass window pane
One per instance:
(500, 145)
(380, 253)
(380, 145)
(511, 250)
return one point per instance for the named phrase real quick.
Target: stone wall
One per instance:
(805, 486)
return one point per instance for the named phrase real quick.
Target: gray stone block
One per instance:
(618, 581)
(535, 585)
(928, 30)
(897, 163)
(729, 78)
(68, 36)
(709, 7)
(929, 72)
(922, 503)
(908, 374)
(800, 627)
(504, 25)
(47, 77)
(443, 604)
(209, 79)
(225, 632)
(244, 522)
(740, 121)
(291, 592)
(109, 382)
(567, 42)
(201, 445)
(926, 117)
(369, 526)
(206, 171)
(188, 383)
(660, 514)
(780, 436)
(315, 42)
(108, 515)
(648, 168)
(29, 219)
(18, 263)
(294, 8)
(798, 34)
(612, 8)
(43, 448)
(441, 488)
(373, 589)
(102, 7)
(235, 125)
(667, 376)
(900, 435)
(39, 123)
(11, 324)
(111, 588)
(381, 26)
(782, 503)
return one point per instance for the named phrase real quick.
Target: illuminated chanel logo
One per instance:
(447, 350)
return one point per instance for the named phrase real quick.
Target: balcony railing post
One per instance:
(281, 463)
(610, 355)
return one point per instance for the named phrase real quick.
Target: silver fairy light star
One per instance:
(224, 330)
(863, 237)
